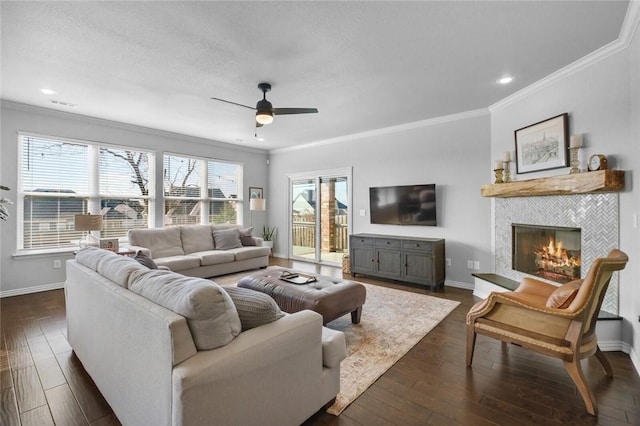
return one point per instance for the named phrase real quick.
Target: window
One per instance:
(124, 191)
(184, 197)
(60, 178)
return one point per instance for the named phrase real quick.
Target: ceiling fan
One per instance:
(265, 111)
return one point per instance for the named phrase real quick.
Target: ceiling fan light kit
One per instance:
(265, 111)
(264, 117)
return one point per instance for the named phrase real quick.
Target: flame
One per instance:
(554, 255)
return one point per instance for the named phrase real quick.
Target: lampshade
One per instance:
(88, 222)
(264, 117)
(257, 204)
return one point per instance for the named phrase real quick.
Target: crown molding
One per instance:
(387, 130)
(210, 143)
(625, 37)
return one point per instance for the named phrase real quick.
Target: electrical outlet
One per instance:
(57, 264)
(363, 212)
(469, 264)
(476, 265)
(448, 261)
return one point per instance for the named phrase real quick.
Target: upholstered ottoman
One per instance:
(330, 297)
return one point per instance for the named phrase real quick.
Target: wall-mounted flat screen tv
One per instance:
(403, 205)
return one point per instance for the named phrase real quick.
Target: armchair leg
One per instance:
(471, 343)
(608, 371)
(575, 371)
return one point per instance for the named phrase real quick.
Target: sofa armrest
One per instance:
(334, 347)
(277, 366)
(144, 250)
(259, 241)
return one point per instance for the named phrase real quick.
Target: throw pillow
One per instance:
(246, 238)
(227, 239)
(145, 260)
(211, 316)
(562, 297)
(254, 308)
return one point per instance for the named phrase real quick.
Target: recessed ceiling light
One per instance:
(506, 79)
(260, 139)
(48, 91)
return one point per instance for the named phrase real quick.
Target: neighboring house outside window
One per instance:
(200, 190)
(60, 178)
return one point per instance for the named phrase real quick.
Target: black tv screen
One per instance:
(403, 205)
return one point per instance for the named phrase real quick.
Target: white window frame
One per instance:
(204, 199)
(93, 195)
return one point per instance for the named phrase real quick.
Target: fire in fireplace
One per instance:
(548, 252)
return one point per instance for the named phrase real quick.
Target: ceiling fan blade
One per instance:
(285, 111)
(233, 103)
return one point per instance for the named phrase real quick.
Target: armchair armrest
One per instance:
(520, 311)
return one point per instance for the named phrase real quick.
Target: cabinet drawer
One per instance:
(361, 242)
(388, 243)
(417, 245)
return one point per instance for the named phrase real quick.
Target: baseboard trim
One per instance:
(29, 290)
(458, 284)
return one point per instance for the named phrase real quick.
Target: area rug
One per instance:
(392, 322)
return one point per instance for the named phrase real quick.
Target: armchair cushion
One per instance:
(562, 297)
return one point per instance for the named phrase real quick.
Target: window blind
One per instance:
(55, 186)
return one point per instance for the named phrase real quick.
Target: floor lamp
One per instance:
(256, 204)
(88, 222)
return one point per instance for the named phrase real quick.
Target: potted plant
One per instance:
(267, 235)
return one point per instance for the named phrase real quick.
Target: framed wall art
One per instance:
(543, 145)
(255, 192)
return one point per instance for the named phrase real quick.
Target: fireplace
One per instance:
(552, 253)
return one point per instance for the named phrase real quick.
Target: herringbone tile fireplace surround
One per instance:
(596, 214)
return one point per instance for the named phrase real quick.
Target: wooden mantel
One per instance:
(578, 183)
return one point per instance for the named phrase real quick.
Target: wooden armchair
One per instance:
(555, 321)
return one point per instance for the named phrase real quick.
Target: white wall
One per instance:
(30, 273)
(453, 155)
(630, 291)
(602, 107)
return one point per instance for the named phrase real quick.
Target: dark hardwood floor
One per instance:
(42, 382)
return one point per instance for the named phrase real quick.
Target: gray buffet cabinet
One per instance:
(413, 260)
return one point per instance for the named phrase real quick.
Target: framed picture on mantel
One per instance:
(543, 145)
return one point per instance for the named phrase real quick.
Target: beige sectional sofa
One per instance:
(165, 349)
(201, 250)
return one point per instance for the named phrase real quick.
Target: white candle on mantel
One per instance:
(498, 165)
(507, 156)
(576, 141)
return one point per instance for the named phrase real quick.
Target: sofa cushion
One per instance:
(226, 239)
(562, 297)
(178, 263)
(246, 239)
(214, 257)
(163, 242)
(254, 308)
(108, 264)
(90, 256)
(244, 253)
(196, 238)
(209, 310)
(145, 260)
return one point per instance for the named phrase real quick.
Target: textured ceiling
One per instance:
(364, 65)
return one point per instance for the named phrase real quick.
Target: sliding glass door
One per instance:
(320, 216)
